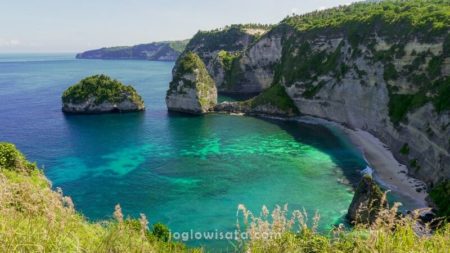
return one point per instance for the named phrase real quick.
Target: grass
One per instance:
(281, 231)
(34, 218)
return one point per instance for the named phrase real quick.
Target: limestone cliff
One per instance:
(101, 94)
(221, 51)
(192, 90)
(383, 67)
(389, 77)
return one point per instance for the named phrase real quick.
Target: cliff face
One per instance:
(363, 96)
(382, 67)
(89, 106)
(156, 51)
(221, 51)
(192, 90)
(389, 79)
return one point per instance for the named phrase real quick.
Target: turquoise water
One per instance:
(187, 172)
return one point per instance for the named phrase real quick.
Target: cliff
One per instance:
(156, 51)
(101, 94)
(221, 50)
(367, 202)
(192, 90)
(383, 67)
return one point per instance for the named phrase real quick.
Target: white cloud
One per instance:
(9, 42)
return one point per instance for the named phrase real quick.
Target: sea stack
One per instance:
(367, 201)
(101, 94)
(192, 89)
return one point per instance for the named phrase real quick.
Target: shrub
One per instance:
(161, 231)
(440, 195)
(12, 159)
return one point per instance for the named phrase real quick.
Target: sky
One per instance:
(78, 25)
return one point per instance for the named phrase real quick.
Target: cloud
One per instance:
(9, 42)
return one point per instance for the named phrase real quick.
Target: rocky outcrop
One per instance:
(390, 79)
(192, 90)
(156, 51)
(364, 96)
(357, 65)
(221, 51)
(366, 202)
(261, 59)
(101, 94)
(272, 102)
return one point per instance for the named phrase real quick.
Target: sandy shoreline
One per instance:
(387, 170)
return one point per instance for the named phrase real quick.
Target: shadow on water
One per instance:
(101, 134)
(322, 138)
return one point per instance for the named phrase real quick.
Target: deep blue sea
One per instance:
(187, 172)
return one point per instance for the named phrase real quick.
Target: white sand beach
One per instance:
(387, 170)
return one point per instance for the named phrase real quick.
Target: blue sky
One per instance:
(77, 25)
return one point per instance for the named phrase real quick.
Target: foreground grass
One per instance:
(34, 218)
(272, 232)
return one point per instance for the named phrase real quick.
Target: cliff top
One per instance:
(433, 15)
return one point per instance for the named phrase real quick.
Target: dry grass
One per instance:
(34, 218)
(292, 232)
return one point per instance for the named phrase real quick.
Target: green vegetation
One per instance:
(438, 93)
(275, 96)
(395, 21)
(396, 18)
(178, 45)
(34, 218)
(401, 104)
(11, 159)
(312, 90)
(164, 50)
(225, 38)
(227, 59)
(191, 64)
(390, 73)
(389, 233)
(305, 65)
(230, 63)
(405, 149)
(440, 195)
(103, 89)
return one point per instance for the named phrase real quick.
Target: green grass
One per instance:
(34, 218)
(102, 88)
